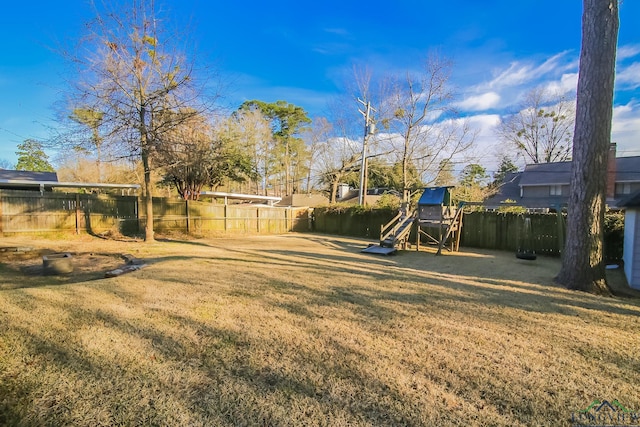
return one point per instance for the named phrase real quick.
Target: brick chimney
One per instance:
(611, 172)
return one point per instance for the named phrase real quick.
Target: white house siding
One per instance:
(631, 251)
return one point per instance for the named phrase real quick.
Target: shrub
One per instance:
(613, 236)
(388, 201)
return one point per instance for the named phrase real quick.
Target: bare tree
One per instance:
(337, 157)
(253, 132)
(543, 128)
(77, 166)
(187, 156)
(422, 123)
(6, 164)
(92, 120)
(583, 259)
(315, 137)
(134, 74)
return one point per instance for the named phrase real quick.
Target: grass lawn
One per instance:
(305, 330)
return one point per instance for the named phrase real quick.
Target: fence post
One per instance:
(258, 220)
(560, 221)
(77, 213)
(137, 209)
(186, 206)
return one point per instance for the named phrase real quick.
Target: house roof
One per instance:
(559, 173)
(33, 181)
(7, 175)
(546, 174)
(509, 189)
(628, 169)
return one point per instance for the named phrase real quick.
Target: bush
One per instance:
(613, 236)
(388, 201)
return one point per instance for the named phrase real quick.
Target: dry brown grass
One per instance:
(306, 330)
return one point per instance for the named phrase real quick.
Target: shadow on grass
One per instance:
(431, 284)
(214, 373)
(231, 382)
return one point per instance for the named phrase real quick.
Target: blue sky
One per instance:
(303, 53)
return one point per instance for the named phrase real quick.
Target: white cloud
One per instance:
(628, 51)
(568, 84)
(488, 147)
(629, 77)
(626, 128)
(516, 74)
(506, 89)
(523, 73)
(480, 102)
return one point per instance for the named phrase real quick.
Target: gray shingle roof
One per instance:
(508, 190)
(546, 174)
(627, 170)
(12, 175)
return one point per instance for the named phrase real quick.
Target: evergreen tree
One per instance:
(31, 157)
(506, 167)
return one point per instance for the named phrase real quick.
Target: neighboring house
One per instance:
(46, 181)
(308, 200)
(631, 251)
(546, 185)
(27, 180)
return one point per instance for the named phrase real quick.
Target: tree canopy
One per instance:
(31, 157)
(287, 122)
(543, 128)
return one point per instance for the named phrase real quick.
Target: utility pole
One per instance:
(369, 128)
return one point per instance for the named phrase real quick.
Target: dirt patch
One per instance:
(28, 263)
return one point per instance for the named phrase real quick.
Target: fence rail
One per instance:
(31, 212)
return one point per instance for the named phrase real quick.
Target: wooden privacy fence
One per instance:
(488, 230)
(506, 231)
(31, 212)
(171, 215)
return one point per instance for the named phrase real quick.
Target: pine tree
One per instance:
(31, 157)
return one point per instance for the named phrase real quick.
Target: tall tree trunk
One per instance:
(583, 259)
(287, 171)
(148, 196)
(334, 190)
